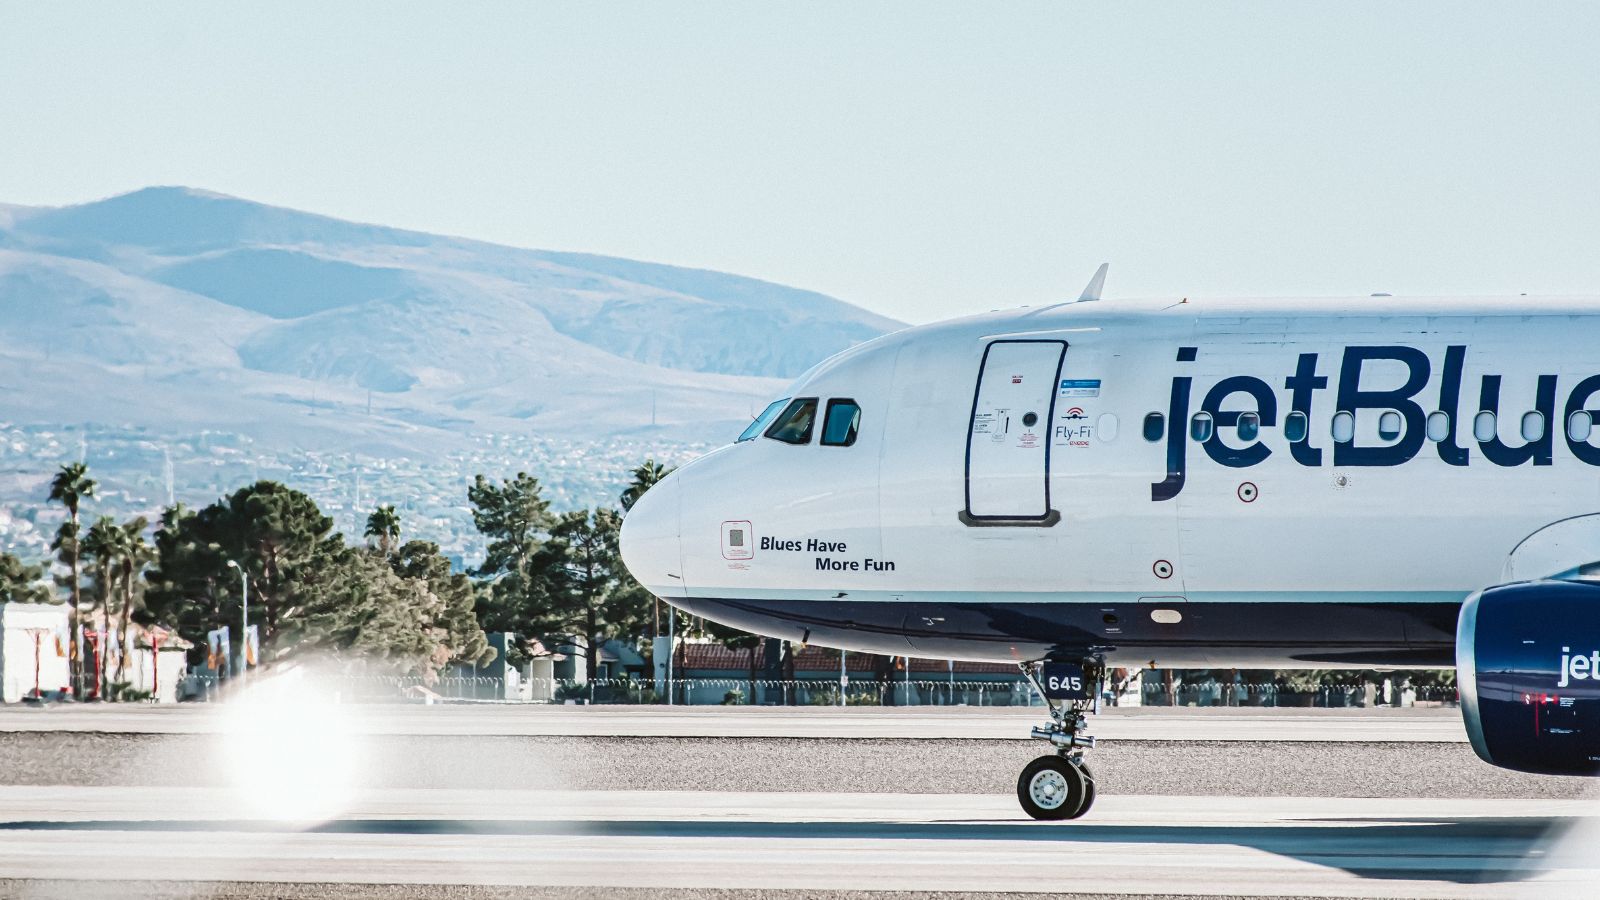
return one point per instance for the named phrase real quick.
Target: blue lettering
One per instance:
(1266, 405)
(1353, 399)
(1494, 450)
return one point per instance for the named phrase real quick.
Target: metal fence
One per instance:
(1319, 696)
(827, 692)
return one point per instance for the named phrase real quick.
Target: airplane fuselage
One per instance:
(1212, 483)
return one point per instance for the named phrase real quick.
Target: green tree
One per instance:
(585, 596)
(462, 638)
(383, 527)
(403, 613)
(359, 611)
(516, 521)
(135, 554)
(645, 477)
(189, 586)
(69, 488)
(280, 538)
(20, 582)
(398, 610)
(102, 549)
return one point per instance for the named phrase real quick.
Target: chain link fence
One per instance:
(856, 692)
(1290, 694)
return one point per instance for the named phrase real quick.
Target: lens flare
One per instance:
(291, 751)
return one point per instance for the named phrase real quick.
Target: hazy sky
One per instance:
(921, 160)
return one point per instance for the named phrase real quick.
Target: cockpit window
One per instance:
(793, 425)
(839, 429)
(754, 429)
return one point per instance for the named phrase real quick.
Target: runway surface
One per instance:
(1245, 724)
(1196, 846)
(416, 803)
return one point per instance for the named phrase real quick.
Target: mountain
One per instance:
(174, 307)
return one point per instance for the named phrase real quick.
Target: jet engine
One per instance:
(1528, 667)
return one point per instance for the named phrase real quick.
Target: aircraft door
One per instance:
(1008, 434)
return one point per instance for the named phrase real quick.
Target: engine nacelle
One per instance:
(1528, 666)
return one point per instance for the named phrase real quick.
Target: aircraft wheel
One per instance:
(1088, 788)
(1053, 788)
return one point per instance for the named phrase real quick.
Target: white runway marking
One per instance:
(810, 722)
(1130, 844)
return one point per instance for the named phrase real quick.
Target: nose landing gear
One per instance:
(1060, 785)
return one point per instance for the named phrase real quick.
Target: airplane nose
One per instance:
(649, 538)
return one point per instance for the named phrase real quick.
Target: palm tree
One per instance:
(384, 526)
(70, 486)
(644, 478)
(136, 553)
(103, 547)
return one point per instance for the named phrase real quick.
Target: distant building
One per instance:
(33, 650)
(34, 660)
(617, 659)
(158, 664)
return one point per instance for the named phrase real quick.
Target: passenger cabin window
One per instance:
(793, 425)
(1106, 427)
(1249, 426)
(1296, 426)
(1579, 426)
(1154, 425)
(1438, 425)
(1483, 426)
(1533, 426)
(1389, 426)
(1201, 427)
(760, 423)
(1344, 426)
(839, 428)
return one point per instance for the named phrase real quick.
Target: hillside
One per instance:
(175, 308)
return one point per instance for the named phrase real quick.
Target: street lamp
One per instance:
(244, 620)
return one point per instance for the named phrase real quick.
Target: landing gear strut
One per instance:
(1059, 785)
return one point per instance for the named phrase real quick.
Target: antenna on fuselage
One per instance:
(1091, 291)
(1096, 284)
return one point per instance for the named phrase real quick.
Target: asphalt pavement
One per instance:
(956, 722)
(414, 802)
(1142, 845)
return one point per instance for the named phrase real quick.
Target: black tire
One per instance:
(1051, 788)
(1088, 789)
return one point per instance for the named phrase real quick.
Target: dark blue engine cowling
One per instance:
(1528, 665)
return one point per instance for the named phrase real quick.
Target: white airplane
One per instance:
(1367, 483)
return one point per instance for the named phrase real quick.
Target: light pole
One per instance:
(244, 620)
(672, 647)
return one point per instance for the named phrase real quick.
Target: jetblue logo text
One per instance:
(1578, 668)
(1305, 390)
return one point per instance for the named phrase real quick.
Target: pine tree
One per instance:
(187, 588)
(277, 535)
(516, 520)
(390, 609)
(589, 596)
(20, 582)
(461, 637)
